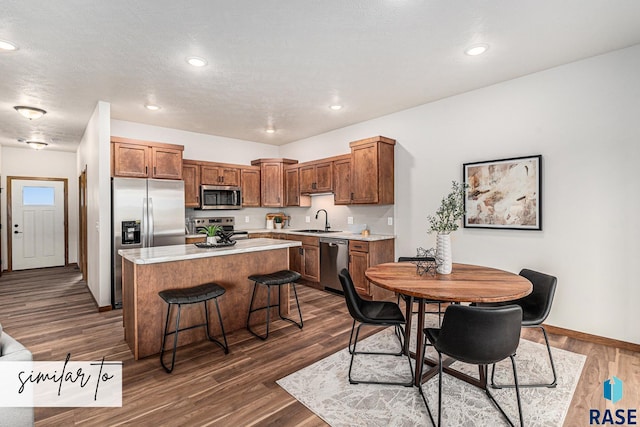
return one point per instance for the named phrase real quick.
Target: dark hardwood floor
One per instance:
(52, 313)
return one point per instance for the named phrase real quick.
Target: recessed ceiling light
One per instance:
(152, 107)
(335, 107)
(196, 61)
(37, 145)
(7, 46)
(476, 49)
(270, 130)
(30, 112)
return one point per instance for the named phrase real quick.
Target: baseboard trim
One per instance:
(104, 308)
(596, 339)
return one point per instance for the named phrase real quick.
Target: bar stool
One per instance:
(278, 279)
(193, 295)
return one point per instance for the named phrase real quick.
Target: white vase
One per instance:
(443, 252)
(212, 240)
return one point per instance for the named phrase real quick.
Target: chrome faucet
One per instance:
(327, 226)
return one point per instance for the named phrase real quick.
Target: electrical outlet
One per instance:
(246, 218)
(390, 220)
(307, 219)
(349, 220)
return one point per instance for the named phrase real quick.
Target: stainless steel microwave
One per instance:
(220, 197)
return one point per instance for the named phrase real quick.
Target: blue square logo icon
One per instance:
(612, 389)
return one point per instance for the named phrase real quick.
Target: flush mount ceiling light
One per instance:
(196, 61)
(476, 49)
(6, 46)
(152, 107)
(270, 129)
(335, 107)
(30, 112)
(37, 145)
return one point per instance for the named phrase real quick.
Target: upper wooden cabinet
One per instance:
(191, 178)
(143, 159)
(316, 177)
(342, 180)
(372, 171)
(272, 181)
(219, 174)
(250, 183)
(292, 196)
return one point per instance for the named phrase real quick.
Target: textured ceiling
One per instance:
(278, 62)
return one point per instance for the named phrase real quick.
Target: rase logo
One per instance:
(612, 390)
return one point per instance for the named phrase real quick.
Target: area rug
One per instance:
(324, 388)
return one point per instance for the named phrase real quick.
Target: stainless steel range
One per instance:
(226, 222)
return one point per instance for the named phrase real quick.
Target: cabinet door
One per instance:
(272, 185)
(209, 175)
(250, 187)
(311, 263)
(295, 259)
(364, 173)
(342, 182)
(307, 179)
(130, 160)
(358, 264)
(324, 177)
(291, 190)
(167, 163)
(191, 178)
(230, 176)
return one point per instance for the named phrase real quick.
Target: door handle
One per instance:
(17, 232)
(150, 222)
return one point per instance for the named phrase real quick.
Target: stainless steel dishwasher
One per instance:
(334, 256)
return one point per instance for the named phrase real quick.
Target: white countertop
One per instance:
(190, 251)
(336, 235)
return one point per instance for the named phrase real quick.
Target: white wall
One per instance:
(41, 164)
(93, 154)
(583, 119)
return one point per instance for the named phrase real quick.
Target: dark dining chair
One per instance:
(535, 309)
(373, 313)
(427, 301)
(480, 336)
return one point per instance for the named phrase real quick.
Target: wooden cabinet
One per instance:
(219, 174)
(372, 171)
(316, 177)
(272, 181)
(250, 184)
(143, 159)
(292, 196)
(191, 178)
(305, 259)
(364, 254)
(342, 180)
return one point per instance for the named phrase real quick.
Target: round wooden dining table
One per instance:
(466, 283)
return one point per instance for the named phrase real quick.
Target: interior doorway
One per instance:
(82, 226)
(37, 218)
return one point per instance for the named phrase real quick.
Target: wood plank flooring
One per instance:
(52, 313)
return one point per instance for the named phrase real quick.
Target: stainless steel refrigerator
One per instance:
(144, 213)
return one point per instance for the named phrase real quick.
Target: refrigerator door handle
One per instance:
(150, 221)
(144, 223)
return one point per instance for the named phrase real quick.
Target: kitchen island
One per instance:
(147, 271)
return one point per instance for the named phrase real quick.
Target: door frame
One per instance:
(10, 221)
(82, 223)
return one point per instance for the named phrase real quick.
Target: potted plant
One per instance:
(278, 221)
(212, 232)
(445, 221)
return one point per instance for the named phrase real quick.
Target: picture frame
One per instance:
(504, 194)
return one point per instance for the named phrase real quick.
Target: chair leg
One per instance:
(424, 398)
(353, 327)
(439, 389)
(552, 384)
(515, 377)
(354, 352)
(224, 346)
(251, 310)
(299, 325)
(175, 340)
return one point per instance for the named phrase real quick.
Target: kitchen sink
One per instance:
(317, 231)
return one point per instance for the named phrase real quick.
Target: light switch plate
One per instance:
(307, 219)
(246, 218)
(349, 220)
(390, 220)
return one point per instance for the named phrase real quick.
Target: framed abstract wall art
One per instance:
(504, 194)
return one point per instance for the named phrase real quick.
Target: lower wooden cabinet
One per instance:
(306, 258)
(364, 254)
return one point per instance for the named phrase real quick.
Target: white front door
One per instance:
(37, 229)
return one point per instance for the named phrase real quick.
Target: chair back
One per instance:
(537, 305)
(480, 335)
(354, 302)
